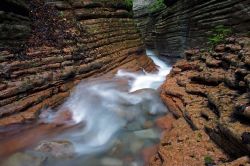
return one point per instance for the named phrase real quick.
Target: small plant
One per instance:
(61, 14)
(208, 161)
(199, 137)
(129, 3)
(157, 6)
(220, 32)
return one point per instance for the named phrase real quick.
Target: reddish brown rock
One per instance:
(220, 48)
(183, 146)
(233, 47)
(243, 161)
(78, 42)
(166, 122)
(213, 98)
(148, 152)
(63, 116)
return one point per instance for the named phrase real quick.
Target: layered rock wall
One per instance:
(69, 41)
(15, 23)
(210, 92)
(186, 24)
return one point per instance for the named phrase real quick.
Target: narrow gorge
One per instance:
(124, 83)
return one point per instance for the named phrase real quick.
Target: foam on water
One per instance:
(106, 109)
(147, 80)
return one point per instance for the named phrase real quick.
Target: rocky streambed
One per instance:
(106, 122)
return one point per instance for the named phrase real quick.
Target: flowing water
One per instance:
(116, 119)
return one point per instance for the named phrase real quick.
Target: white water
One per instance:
(147, 80)
(106, 109)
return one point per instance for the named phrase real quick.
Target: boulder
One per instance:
(58, 149)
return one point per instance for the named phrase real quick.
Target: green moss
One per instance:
(219, 34)
(61, 14)
(157, 6)
(208, 160)
(129, 3)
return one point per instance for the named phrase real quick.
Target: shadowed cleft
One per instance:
(245, 138)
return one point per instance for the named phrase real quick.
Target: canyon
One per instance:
(187, 24)
(84, 81)
(68, 42)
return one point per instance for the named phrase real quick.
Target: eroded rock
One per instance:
(68, 43)
(213, 98)
(58, 149)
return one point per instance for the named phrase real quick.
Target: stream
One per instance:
(113, 119)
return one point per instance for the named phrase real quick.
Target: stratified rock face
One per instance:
(186, 24)
(144, 22)
(70, 41)
(140, 7)
(211, 92)
(14, 24)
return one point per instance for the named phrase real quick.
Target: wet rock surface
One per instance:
(211, 102)
(58, 149)
(15, 26)
(68, 42)
(25, 159)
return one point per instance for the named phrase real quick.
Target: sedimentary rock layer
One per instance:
(15, 23)
(186, 24)
(69, 41)
(210, 92)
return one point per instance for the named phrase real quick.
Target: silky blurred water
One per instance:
(118, 117)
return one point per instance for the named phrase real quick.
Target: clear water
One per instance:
(119, 119)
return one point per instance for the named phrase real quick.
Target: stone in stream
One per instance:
(136, 145)
(151, 103)
(25, 159)
(133, 126)
(58, 149)
(147, 134)
(148, 124)
(139, 124)
(148, 152)
(111, 162)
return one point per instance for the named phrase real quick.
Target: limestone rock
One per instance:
(185, 24)
(68, 43)
(58, 149)
(213, 98)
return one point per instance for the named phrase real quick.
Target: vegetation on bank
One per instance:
(208, 161)
(219, 34)
(129, 3)
(156, 6)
